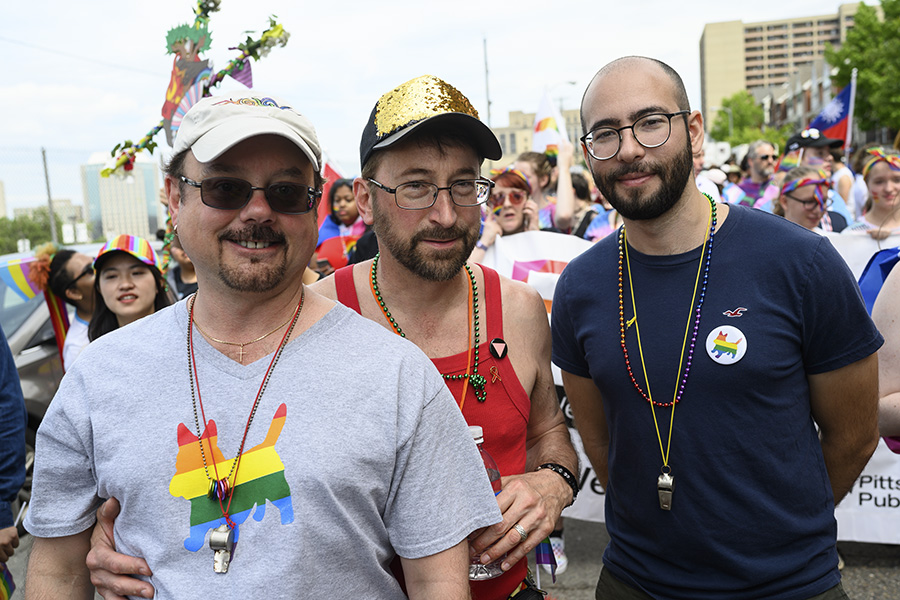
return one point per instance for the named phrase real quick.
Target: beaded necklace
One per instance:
(666, 481)
(221, 488)
(477, 380)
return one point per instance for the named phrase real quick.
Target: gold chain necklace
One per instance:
(241, 344)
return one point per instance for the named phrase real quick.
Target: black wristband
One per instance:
(565, 474)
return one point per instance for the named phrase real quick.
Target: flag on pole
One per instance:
(549, 128)
(835, 120)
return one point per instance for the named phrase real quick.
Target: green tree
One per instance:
(873, 48)
(36, 229)
(747, 123)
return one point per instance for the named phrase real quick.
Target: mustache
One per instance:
(641, 167)
(440, 233)
(252, 233)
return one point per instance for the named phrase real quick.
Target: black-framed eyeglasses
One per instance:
(87, 270)
(650, 131)
(814, 203)
(230, 193)
(419, 195)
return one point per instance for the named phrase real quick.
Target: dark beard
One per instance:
(632, 206)
(243, 278)
(443, 267)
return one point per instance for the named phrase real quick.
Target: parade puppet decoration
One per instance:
(192, 77)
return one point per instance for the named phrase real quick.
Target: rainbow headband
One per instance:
(495, 173)
(820, 180)
(878, 155)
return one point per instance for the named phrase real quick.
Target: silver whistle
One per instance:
(665, 486)
(221, 540)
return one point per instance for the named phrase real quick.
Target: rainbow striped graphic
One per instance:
(260, 477)
(723, 346)
(789, 161)
(545, 124)
(15, 274)
(7, 585)
(521, 269)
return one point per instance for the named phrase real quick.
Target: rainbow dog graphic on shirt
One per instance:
(260, 478)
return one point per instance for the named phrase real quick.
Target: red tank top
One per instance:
(503, 415)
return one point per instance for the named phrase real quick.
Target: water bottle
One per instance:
(478, 571)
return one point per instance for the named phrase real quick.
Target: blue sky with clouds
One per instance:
(82, 77)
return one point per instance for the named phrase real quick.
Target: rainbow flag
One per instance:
(789, 160)
(543, 555)
(7, 585)
(259, 478)
(549, 128)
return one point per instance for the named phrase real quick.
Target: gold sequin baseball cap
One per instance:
(419, 104)
(217, 123)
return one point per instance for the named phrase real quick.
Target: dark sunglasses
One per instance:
(516, 197)
(765, 156)
(88, 270)
(230, 193)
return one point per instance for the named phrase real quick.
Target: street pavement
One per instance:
(872, 571)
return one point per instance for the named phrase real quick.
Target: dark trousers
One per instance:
(611, 588)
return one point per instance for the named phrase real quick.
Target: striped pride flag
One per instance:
(7, 585)
(259, 478)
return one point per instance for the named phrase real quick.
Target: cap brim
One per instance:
(483, 139)
(221, 138)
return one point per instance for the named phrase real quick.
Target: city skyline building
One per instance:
(516, 137)
(758, 56)
(126, 204)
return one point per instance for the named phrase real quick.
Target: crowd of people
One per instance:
(362, 384)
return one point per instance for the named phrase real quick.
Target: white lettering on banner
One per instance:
(869, 513)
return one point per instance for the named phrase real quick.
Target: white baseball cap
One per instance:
(215, 124)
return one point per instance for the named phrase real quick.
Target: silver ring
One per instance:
(521, 531)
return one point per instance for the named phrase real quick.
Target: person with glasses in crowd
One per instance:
(761, 157)
(68, 275)
(420, 188)
(509, 210)
(815, 150)
(803, 199)
(722, 407)
(258, 414)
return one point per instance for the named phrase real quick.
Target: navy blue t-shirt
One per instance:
(752, 513)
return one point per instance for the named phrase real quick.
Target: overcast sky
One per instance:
(80, 77)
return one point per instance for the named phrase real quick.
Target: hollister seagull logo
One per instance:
(738, 312)
(726, 344)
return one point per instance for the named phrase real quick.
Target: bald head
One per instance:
(637, 65)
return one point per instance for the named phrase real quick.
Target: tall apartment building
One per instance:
(737, 56)
(126, 204)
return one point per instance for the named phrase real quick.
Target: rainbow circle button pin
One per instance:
(726, 344)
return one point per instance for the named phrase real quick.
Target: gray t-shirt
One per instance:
(357, 445)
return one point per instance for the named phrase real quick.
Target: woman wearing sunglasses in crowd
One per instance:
(804, 200)
(509, 210)
(881, 213)
(68, 275)
(128, 284)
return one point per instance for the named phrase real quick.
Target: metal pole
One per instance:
(53, 235)
(487, 90)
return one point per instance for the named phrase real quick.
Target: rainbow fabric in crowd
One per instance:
(259, 478)
(789, 160)
(820, 180)
(7, 585)
(543, 555)
(16, 274)
(878, 155)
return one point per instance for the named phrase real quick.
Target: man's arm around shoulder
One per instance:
(844, 403)
(57, 568)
